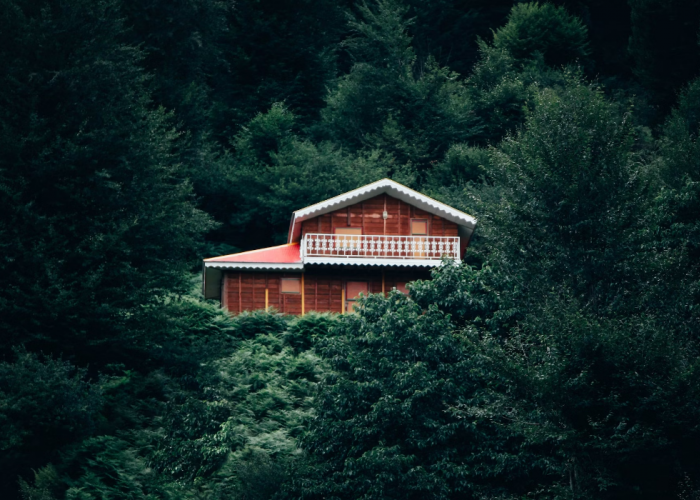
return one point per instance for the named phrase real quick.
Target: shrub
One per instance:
(248, 324)
(303, 330)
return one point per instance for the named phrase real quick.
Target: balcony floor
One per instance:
(369, 261)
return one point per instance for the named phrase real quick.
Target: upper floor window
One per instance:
(348, 230)
(419, 227)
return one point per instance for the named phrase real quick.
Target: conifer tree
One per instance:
(97, 217)
(283, 172)
(389, 101)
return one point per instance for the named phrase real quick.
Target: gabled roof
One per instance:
(279, 257)
(465, 222)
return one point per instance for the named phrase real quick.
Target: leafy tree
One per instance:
(598, 406)
(465, 293)
(216, 412)
(462, 163)
(502, 83)
(304, 332)
(383, 426)
(570, 188)
(680, 146)
(545, 29)
(237, 435)
(500, 93)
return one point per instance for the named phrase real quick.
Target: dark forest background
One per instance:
(559, 361)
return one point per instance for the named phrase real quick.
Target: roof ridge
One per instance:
(347, 192)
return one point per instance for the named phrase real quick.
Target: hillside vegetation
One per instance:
(560, 360)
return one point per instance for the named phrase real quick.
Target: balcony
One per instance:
(378, 249)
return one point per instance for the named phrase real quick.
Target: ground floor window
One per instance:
(290, 285)
(352, 290)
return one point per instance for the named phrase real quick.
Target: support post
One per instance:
(342, 301)
(383, 293)
(224, 291)
(267, 303)
(302, 293)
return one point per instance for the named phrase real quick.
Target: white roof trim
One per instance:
(257, 265)
(389, 187)
(337, 261)
(363, 261)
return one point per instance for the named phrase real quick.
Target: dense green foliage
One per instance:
(559, 361)
(383, 429)
(217, 421)
(98, 217)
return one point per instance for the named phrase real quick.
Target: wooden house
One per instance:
(369, 240)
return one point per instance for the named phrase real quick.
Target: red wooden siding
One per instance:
(368, 216)
(323, 289)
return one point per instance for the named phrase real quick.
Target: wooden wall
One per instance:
(368, 216)
(245, 291)
(323, 289)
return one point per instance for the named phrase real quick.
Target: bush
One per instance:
(248, 324)
(304, 330)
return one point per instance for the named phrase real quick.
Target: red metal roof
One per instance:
(282, 254)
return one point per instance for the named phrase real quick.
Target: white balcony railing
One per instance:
(380, 246)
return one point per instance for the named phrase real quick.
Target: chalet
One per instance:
(369, 240)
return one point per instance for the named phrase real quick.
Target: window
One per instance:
(352, 290)
(348, 230)
(401, 287)
(419, 227)
(355, 288)
(290, 285)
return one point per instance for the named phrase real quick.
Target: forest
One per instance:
(559, 360)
